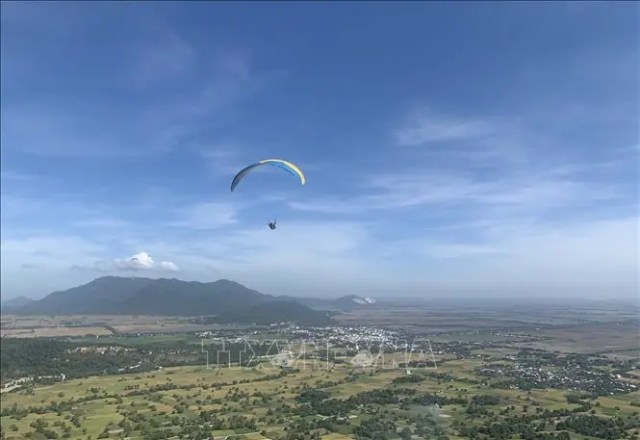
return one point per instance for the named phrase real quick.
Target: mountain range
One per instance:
(228, 300)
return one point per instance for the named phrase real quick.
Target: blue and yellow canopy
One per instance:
(283, 164)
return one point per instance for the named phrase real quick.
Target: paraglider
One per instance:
(283, 164)
(279, 163)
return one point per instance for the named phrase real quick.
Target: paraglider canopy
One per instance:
(279, 163)
(282, 164)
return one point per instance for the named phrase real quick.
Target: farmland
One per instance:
(528, 376)
(265, 402)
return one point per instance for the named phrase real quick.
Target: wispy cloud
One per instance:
(425, 126)
(405, 189)
(208, 215)
(496, 163)
(196, 86)
(17, 176)
(231, 79)
(102, 223)
(584, 257)
(65, 247)
(31, 265)
(453, 250)
(298, 257)
(597, 256)
(73, 129)
(143, 261)
(222, 160)
(168, 57)
(471, 187)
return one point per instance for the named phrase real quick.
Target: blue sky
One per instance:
(450, 149)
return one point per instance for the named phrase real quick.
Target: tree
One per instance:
(406, 433)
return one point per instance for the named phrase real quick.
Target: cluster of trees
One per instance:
(485, 399)
(49, 357)
(58, 407)
(575, 371)
(382, 396)
(507, 430)
(539, 426)
(42, 427)
(233, 422)
(375, 429)
(319, 402)
(434, 399)
(312, 428)
(427, 427)
(411, 378)
(478, 403)
(302, 429)
(157, 426)
(312, 395)
(595, 426)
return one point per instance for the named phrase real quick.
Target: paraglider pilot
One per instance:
(279, 163)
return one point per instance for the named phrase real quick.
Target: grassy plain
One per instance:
(483, 337)
(110, 394)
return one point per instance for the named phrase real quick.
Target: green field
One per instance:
(193, 388)
(533, 375)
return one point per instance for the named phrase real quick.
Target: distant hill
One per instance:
(276, 311)
(101, 295)
(344, 303)
(352, 302)
(174, 297)
(15, 303)
(230, 301)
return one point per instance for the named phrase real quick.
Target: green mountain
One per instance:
(228, 300)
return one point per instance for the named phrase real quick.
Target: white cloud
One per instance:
(142, 261)
(168, 266)
(317, 258)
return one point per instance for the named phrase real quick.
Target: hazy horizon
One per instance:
(464, 150)
(438, 297)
